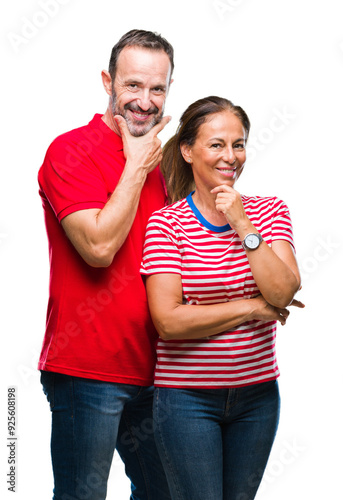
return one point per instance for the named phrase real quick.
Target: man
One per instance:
(99, 185)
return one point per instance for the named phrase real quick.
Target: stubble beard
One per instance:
(136, 129)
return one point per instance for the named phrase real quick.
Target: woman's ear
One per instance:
(186, 152)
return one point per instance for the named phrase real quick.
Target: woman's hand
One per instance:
(229, 202)
(265, 312)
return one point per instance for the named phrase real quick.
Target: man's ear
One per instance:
(107, 81)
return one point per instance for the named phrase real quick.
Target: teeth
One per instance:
(226, 170)
(140, 114)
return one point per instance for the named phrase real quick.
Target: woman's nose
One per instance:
(229, 155)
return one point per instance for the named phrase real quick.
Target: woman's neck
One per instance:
(205, 203)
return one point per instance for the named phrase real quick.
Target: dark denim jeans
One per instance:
(215, 443)
(89, 420)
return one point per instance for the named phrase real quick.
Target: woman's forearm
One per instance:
(276, 281)
(174, 320)
(274, 269)
(193, 321)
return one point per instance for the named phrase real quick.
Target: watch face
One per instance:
(252, 241)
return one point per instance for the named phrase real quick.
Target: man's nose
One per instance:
(143, 100)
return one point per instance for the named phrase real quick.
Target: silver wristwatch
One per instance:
(252, 241)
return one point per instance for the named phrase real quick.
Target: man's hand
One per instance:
(143, 152)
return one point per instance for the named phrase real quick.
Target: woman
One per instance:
(220, 271)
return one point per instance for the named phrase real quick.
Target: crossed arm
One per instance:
(275, 271)
(175, 320)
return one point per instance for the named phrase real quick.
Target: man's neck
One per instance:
(110, 121)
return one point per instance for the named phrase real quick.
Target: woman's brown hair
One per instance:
(176, 171)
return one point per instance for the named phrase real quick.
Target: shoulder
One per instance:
(263, 204)
(76, 149)
(170, 219)
(72, 138)
(65, 151)
(174, 212)
(84, 139)
(62, 156)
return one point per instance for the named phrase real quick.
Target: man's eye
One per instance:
(132, 86)
(158, 90)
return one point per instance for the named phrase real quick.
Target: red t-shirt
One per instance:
(98, 322)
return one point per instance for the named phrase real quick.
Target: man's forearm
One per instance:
(114, 221)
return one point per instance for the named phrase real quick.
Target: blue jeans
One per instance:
(215, 443)
(90, 419)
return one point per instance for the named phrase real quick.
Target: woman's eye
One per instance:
(215, 146)
(239, 146)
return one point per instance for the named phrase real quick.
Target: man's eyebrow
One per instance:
(133, 80)
(140, 82)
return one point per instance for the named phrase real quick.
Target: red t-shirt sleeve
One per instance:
(69, 180)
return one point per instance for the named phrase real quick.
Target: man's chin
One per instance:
(138, 129)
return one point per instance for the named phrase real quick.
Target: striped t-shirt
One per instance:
(214, 268)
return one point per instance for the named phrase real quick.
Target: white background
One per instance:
(282, 61)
